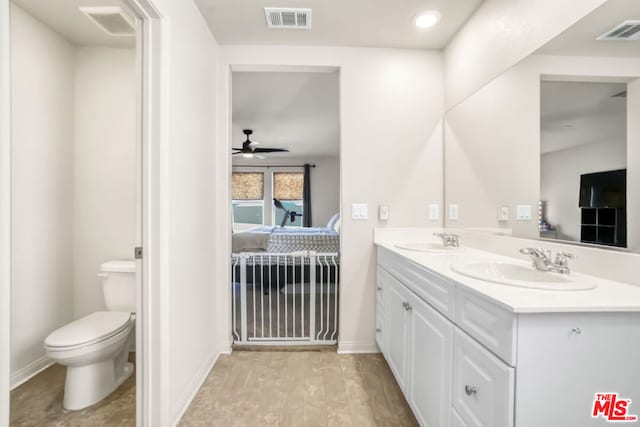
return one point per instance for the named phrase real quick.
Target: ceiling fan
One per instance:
(249, 149)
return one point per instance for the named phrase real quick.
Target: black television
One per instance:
(604, 189)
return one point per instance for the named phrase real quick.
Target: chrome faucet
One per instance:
(543, 261)
(449, 239)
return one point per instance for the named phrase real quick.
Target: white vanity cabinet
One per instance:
(418, 346)
(464, 360)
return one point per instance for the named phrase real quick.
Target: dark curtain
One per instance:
(306, 197)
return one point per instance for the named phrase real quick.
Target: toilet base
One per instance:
(87, 385)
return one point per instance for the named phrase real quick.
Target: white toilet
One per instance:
(95, 348)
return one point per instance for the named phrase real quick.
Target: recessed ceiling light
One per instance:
(427, 19)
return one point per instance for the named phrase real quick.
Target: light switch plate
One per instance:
(523, 212)
(434, 211)
(503, 213)
(359, 211)
(383, 212)
(453, 212)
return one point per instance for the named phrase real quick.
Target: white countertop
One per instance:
(609, 296)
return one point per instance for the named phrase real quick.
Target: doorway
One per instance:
(285, 204)
(149, 64)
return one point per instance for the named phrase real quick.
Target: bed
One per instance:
(273, 239)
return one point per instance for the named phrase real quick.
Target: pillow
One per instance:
(331, 225)
(336, 227)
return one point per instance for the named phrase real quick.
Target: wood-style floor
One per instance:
(299, 388)
(246, 389)
(38, 402)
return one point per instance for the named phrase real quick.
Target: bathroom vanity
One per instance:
(467, 352)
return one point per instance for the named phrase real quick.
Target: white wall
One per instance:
(104, 192)
(493, 140)
(189, 328)
(500, 34)
(391, 105)
(42, 160)
(325, 184)
(560, 181)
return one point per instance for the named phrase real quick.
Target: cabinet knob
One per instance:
(379, 288)
(576, 331)
(378, 330)
(407, 306)
(469, 389)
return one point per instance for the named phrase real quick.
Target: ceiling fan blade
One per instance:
(270, 150)
(236, 148)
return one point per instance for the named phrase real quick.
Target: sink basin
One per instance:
(505, 273)
(425, 247)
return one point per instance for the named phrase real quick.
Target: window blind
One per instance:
(247, 186)
(288, 185)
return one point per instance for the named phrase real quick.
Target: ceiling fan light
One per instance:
(248, 155)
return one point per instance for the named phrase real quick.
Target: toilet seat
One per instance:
(89, 330)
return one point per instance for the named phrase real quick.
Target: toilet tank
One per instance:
(119, 285)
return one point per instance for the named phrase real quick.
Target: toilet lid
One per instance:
(94, 327)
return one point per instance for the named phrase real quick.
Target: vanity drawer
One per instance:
(436, 290)
(456, 419)
(490, 324)
(483, 385)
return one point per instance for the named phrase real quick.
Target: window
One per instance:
(288, 188)
(247, 193)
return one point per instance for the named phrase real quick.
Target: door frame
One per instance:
(5, 213)
(224, 221)
(152, 148)
(152, 139)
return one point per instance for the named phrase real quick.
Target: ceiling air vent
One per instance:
(112, 20)
(628, 30)
(289, 18)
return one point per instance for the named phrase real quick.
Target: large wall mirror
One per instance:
(550, 149)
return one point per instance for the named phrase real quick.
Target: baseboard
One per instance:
(193, 387)
(353, 347)
(225, 349)
(23, 375)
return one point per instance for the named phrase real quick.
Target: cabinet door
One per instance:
(430, 364)
(396, 314)
(483, 385)
(382, 279)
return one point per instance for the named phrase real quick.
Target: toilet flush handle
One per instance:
(104, 275)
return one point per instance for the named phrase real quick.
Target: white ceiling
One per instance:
(371, 23)
(293, 110)
(580, 39)
(64, 18)
(579, 113)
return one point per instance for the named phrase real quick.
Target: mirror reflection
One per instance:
(550, 148)
(583, 162)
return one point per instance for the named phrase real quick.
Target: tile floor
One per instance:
(280, 388)
(38, 402)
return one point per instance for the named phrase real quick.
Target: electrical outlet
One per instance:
(453, 212)
(383, 213)
(523, 212)
(434, 212)
(359, 211)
